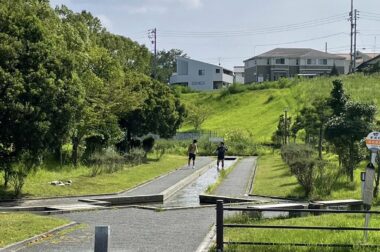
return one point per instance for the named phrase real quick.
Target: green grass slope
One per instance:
(258, 110)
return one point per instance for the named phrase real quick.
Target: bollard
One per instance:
(102, 234)
(219, 225)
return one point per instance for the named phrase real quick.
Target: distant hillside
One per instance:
(258, 110)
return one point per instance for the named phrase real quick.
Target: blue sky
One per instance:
(229, 31)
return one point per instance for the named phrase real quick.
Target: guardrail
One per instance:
(220, 227)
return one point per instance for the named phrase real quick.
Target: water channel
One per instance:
(189, 195)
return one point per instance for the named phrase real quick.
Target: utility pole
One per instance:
(152, 35)
(355, 24)
(325, 47)
(351, 19)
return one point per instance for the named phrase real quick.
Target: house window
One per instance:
(217, 70)
(311, 61)
(201, 72)
(268, 61)
(322, 61)
(297, 62)
(280, 61)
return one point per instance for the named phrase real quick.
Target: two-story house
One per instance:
(291, 62)
(199, 75)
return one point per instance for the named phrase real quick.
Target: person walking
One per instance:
(221, 150)
(192, 151)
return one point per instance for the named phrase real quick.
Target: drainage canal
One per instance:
(189, 195)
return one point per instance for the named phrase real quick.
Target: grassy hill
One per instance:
(258, 110)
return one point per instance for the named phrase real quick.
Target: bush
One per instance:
(292, 152)
(135, 156)
(303, 169)
(105, 161)
(240, 142)
(148, 144)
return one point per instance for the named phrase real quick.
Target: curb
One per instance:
(18, 245)
(252, 178)
(208, 241)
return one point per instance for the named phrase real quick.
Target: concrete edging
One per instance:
(17, 245)
(252, 178)
(208, 241)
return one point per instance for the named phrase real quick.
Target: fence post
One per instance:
(102, 234)
(219, 225)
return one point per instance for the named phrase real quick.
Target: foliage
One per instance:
(240, 142)
(148, 144)
(161, 113)
(166, 64)
(196, 115)
(136, 156)
(105, 161)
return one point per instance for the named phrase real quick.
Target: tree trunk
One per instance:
(74, 154)
(320, 142)
(351, 161)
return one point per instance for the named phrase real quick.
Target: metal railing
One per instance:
(220, 227)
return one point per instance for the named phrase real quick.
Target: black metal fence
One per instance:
(220, 226)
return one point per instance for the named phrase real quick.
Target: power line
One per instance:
(304, 40)
(250, 32)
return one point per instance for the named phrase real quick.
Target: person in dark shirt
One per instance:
(220, 151)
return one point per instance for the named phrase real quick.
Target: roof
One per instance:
(297, 53)
(189, 59)
(369, 62)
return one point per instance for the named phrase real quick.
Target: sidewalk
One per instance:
(237, 181)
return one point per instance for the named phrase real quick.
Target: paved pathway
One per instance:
(135, 230)
(237, 181)
(145, 230)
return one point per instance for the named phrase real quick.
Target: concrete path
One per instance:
(237, 181)
(154, 187)
(135, 230)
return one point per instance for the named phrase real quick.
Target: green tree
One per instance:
(197, 115)
(346, 130)
(166, 64)
(39, 93)
(161, 113)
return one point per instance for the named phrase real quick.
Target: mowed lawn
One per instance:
(303, 236)
(16, 227)
(37, 184)
(258, 110)
(273, 178)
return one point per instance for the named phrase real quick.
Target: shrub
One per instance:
(292, 152)
(303, 169)
(148, 144)
(240, 142)
(135, 156)
(105, 161)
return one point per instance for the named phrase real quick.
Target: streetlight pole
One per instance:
(286, 126)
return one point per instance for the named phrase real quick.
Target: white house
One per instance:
(200, 75)
(238, 74)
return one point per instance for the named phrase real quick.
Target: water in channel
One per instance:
(189, 195)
